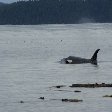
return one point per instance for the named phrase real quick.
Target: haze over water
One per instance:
(29, 67)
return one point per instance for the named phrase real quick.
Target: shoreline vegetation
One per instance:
(34, 12)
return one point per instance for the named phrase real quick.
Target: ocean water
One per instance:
(29, 67)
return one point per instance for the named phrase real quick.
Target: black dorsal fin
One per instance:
(94, 57)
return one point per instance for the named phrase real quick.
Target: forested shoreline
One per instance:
(56, 12)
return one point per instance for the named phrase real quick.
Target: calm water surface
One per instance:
(29, 67)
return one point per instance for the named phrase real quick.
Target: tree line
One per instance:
(56, 12)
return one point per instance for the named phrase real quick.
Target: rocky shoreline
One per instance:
(91, 85)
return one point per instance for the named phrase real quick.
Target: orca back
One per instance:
(78, 60)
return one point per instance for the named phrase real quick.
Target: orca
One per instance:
(79, 60)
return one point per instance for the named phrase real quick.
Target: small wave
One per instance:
(104, 61)
(62, 61)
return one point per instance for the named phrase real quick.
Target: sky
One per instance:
(8, 1)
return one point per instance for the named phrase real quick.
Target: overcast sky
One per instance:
(9, 1)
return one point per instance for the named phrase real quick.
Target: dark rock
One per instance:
(65, 100)
(91, 85)
(21, 101)
(59, 86)
(71, 100)
(42, 98)
(107, 96)
(77, 91)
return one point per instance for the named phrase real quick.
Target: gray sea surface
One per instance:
(29, 67)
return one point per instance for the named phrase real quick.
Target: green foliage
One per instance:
(56, 11)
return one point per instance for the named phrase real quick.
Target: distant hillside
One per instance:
(1, 3)
(56, 12)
